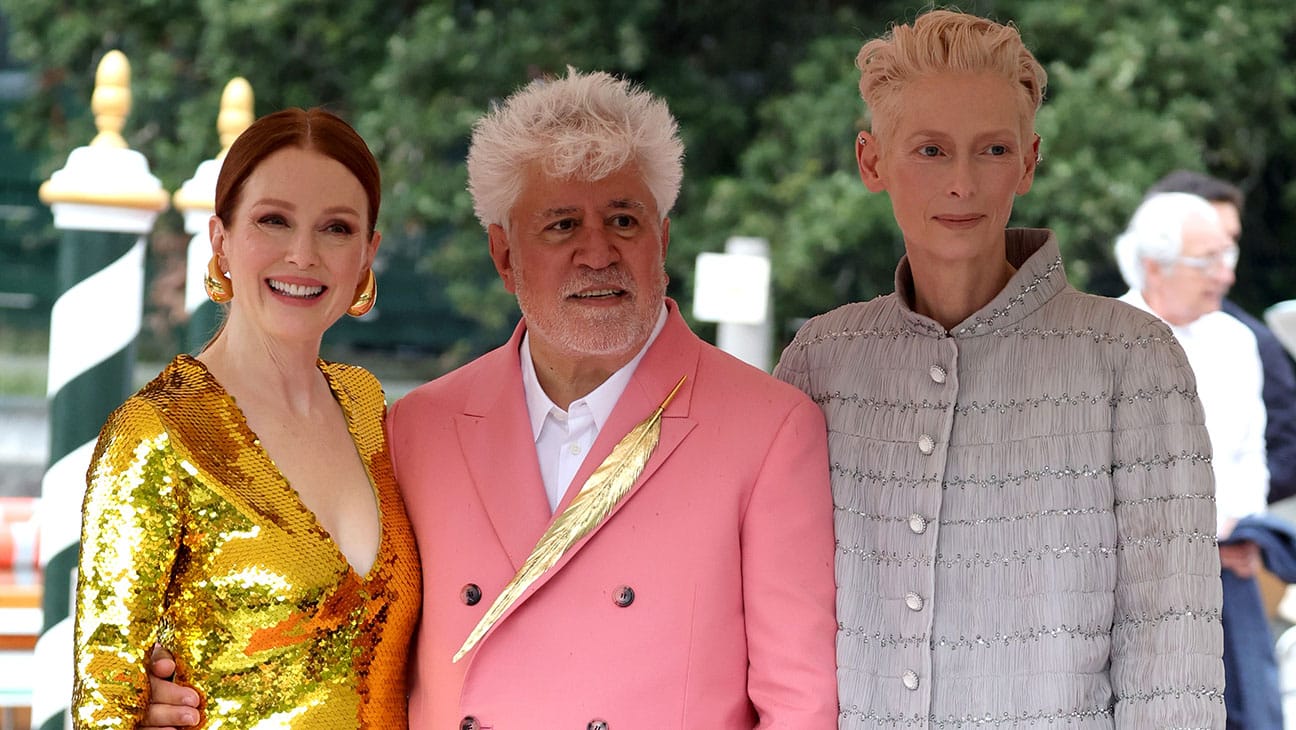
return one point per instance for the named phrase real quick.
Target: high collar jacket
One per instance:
(1024, 510)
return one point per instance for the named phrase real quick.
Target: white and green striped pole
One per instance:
(104, 201)
(196, 200)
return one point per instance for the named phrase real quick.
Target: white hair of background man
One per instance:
(1155, 232)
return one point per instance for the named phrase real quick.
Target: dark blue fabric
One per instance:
(1252, 693)
(1280, 404)
(1276, 538)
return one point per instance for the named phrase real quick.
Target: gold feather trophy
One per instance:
(609, 483)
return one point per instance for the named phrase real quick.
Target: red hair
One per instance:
(313, 129)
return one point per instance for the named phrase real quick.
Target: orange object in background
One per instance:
(19, 536)
(20, 603)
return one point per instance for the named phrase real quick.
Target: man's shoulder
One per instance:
(728, 378)
(1264, 336)
(721, 377)
(456, 385)
(1224, 326)
(1235, 310)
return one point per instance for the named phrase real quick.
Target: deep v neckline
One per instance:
(343, 401)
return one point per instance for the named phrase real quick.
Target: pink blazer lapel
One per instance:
(675, 353)
(499, 450)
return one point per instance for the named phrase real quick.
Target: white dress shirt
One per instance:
(563, 438)
(1226, 361)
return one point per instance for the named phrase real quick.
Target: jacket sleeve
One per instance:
(1167, 640)
(788, 586)
(129, 537)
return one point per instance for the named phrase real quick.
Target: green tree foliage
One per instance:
(1136, 90)
(182, 52)
(1140, 89)
(797, 185)
(716, 62)
(766, 95)
(443, 68)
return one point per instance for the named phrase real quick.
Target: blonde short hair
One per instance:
(941, 41)
(583, 126)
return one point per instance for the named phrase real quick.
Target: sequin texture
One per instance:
(192, 538)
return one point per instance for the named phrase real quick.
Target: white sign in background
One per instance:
(731, 288)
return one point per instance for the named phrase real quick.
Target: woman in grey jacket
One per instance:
(1024, 501)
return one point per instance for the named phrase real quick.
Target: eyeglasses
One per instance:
(1226, 257)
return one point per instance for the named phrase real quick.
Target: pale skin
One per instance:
(952, 161)
(585, 259)
(296, 249)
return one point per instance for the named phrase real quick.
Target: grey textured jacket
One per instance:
(1024, 510)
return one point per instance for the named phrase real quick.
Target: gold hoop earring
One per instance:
(366, 297)
(219, 288)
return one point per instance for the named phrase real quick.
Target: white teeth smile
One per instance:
(597, 293)
(296, 290)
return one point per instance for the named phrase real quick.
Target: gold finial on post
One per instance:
(235, 112)
(106, 173)
(111, 101)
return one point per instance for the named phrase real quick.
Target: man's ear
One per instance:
(501, 255)
(867, 155)
(1153, 271)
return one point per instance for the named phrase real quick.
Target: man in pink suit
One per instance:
(704, 598)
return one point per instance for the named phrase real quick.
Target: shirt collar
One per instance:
(600, 401)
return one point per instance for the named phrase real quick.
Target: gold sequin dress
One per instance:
(192, 538)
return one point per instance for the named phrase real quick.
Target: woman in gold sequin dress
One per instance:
(241, 509)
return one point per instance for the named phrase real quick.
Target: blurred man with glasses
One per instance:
(1178, 258)
(1279, 376)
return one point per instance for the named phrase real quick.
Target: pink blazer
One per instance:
(705, 600)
